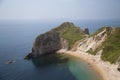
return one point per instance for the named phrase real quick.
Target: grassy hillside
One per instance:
(70, 32)
(111, 46)
(96, 32)
(100, 47)
(111, 50)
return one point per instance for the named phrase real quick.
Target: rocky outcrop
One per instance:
(47, 43)
(10, 61)
(86, 30)
(62, 37)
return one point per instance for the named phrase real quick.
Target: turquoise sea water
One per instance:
(16, 40)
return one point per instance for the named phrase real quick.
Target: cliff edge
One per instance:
(61, 37)
(104, 42)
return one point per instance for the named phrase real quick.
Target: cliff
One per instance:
(111, 50)
(61, 37)
(70, 32)
(104, 42)
(93, 42)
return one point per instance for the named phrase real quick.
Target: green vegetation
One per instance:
(94, 52)
(108, 30)
(96, 32)
(111, 51)
(111, 46)
(70, 32)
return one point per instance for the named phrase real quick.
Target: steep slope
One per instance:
(104, 42)
(92, 42)
(111, 50)
(62, 37)
(70, 32)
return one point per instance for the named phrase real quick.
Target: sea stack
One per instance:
(86, 30)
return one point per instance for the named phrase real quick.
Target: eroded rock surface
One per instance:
(47, 43)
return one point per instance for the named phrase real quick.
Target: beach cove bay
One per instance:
(16, 41)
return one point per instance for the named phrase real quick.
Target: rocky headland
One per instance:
(61, 37)
(100, 49)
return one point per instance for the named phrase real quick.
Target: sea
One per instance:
(16, 39)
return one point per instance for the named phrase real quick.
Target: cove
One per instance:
(63, 67)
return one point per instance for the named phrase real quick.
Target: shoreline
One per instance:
(105, 70)
(92, 67)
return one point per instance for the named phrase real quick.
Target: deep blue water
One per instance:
(16, 39)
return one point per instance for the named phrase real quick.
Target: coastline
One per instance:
(105, 70)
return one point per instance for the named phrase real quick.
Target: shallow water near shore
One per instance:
(16, 42)
(54, 67)
(66, 67)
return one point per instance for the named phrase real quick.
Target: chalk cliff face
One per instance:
(92, 42)
(86, 31)
(61, 37)
(104, 42)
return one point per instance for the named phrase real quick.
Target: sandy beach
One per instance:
(106, 70)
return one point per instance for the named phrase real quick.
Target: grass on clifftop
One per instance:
(98, 31)
(111, 46)
(94, 52)
(70, 32)
(111, 51)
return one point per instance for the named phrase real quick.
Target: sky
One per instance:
(59, 9)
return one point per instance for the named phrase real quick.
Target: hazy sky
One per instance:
(59, 9)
